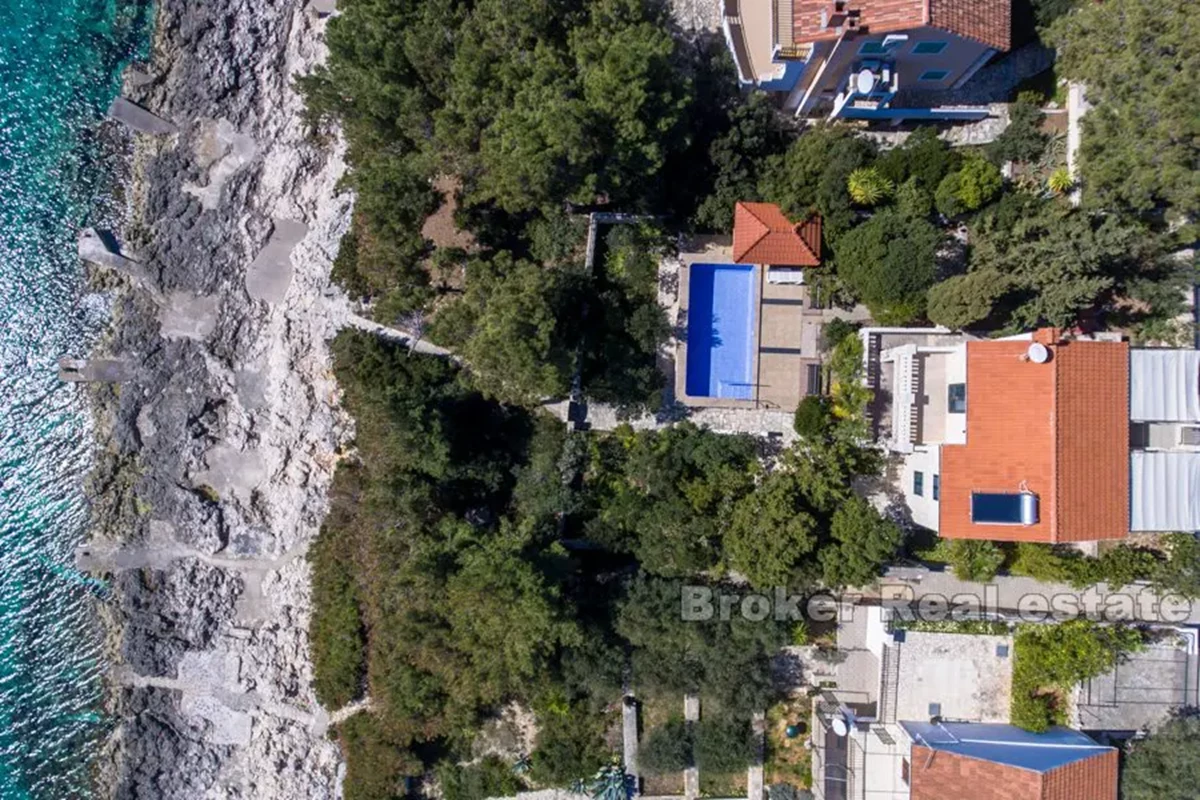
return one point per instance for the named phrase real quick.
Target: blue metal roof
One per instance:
(1006, 744)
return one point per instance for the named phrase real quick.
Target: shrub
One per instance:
(868, 187)
(668, 748)
(813, 417)
(375, 766)
(1049, 660)
(801, 636)
(1060, 181)
(570, 746)
(1042, 562)
(834, 331)
(913, 200)
(490, 777)
(1165, 765)
(974, 559)
(970, 189)
(723, 745)
(923, 159)
(1117, 567)
(1023, 139)
(1180, 573)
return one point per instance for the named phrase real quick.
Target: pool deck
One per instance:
(787, 338)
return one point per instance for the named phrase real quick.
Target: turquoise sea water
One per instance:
(60, 62)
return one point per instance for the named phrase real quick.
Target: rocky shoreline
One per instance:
(217, 450)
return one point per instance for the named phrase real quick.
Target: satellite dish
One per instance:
(1038, 353)
(839, 726)
(864, 81)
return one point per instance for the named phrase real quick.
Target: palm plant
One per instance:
(1060, 181)
(612, 783)
(868, 186)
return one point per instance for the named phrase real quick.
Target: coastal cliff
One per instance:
(217, 451)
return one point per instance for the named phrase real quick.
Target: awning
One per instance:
(1165, 491)
(1164, 385)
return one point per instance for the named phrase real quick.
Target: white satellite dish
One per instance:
(1038, 353)
(839, 726)
(864, 81)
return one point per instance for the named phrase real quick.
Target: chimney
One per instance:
(833, 14)
(1047, 336)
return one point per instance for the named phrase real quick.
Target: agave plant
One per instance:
(611, 783)
(1060, 181)
(868, 186)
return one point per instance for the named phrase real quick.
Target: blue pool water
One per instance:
(60, 62)
(720, 333)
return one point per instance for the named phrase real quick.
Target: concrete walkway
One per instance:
(629, 735)
(691, 775)
(223, 706)
(754, 775)
(160, 549)
(1077, 106)
(1009, 593)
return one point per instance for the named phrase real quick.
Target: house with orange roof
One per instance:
(850, 58)
(1044, 437)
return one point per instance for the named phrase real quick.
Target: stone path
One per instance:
(160, 549)
(232, 710)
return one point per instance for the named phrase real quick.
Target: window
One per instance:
(904, 770)
(956, 398)
(928, 48)
(934, 74)
(937, 487)
(872, 49)
(919, 483)
(996, 508)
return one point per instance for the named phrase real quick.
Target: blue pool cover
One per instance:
(720, 331)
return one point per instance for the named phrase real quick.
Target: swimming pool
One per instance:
(720, 331)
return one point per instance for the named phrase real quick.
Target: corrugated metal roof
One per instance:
(1164, 491)
(1164, 385)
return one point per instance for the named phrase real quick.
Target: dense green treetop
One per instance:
(889, 264)
(1165, 765)
(1141, 140)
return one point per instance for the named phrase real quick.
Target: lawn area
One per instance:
(654, 712)
(732, 785)
(788, 760)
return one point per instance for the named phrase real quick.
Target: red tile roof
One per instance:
(953, 776)
(986, 21)
(763, 235)
(1059, 430)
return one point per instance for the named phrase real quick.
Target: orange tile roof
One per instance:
(953, 776)
(763, 235)
(1059, 429)
(986, 21)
